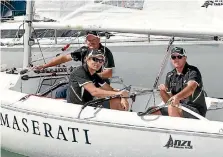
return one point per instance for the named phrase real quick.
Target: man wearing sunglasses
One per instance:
(183, 85)
(93, 43)
(85, 84)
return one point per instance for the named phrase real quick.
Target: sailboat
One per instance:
(35, 124)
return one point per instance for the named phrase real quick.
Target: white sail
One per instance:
(186, 14)
(56, 9)
(158, 16)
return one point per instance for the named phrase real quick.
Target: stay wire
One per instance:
(168, 52)
(39, 46)
(77, 37)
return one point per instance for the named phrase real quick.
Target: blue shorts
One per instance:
(61, 92)
(106, 104)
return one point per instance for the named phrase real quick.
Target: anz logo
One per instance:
(212, 3)
(182, 144)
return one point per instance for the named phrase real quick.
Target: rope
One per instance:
(43, 58)
(168, 52)
(39, 46)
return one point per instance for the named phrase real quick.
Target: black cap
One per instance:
(94, 33)
(178, 50)
(93, 53)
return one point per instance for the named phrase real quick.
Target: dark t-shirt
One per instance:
(81, 53)
(177, 82)
(78, 78)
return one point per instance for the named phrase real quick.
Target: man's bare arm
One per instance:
(58, 60)
(188, 90)
(165, 96)
(107, 87)
(98, 92)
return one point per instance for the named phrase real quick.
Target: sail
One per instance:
(179, 18)
(188, 14)
(185, 13)
(57, 9)
(154, 13)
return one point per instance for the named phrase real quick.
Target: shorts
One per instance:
(106, 104)
(164, 111)
(61, 92)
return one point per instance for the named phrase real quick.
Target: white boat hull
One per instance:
(48, 127)
(101, 139)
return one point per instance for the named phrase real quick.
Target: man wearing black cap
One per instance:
(85, 83)
(93, 43)
(183, 85)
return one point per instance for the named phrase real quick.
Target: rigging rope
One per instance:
(43, 58)
(168, 52)
(39, 46)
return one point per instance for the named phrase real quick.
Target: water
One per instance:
(5, 153)
(141, 68)
(140, 65)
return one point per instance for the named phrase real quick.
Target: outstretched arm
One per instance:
(75, 55)
(101, 93)
(56, 61)
(108, 91)
(188, 90)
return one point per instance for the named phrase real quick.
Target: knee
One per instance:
(174, 111)
(171, 109)
(115, 104)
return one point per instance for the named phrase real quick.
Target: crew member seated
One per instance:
(85, 84)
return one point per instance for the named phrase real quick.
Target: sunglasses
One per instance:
(174, 57)
(98, 60)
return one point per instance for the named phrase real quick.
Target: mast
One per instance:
(28, 31)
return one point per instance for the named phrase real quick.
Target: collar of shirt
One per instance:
(185, 69)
